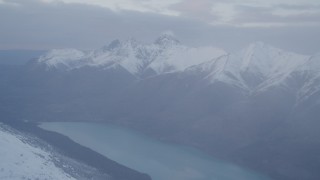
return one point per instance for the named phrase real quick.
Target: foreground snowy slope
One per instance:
(21, 159)
(29, 152)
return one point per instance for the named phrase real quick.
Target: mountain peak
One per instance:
(166, 39)
(119, 43)
(259, 46)
(132, 41)
(114, 44)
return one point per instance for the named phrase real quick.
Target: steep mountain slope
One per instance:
(28, 151)
(26, 157)
(310, 73)
(255, 68)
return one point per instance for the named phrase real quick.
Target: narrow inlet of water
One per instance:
(160, 160)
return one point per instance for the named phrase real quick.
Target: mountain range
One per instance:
(254, 69)
(258, 107)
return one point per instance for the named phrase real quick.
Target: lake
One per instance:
(162, 161)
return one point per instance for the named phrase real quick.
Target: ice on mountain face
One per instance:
(20, 160)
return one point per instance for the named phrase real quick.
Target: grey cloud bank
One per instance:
(33, 24)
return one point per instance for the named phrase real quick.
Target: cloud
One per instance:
(49, 25)
(244, 13)
(200, 10)
(152, 6)
(251, 13)
(34, 24)
(280, 15)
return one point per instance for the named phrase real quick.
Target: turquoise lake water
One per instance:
(162, 161)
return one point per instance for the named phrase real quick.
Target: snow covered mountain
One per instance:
(166, 54)
(256, 68)
(309, 73)
(123, 67)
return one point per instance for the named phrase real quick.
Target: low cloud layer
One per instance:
(267, 13)
(46, 24)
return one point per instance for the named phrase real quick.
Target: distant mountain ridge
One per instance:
(166, 54)
(255, 68)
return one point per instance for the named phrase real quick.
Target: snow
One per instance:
(162, 56)
(180, 58)
(220, 70)
(167, 40)
(312, 85)
(166, 54)
(21, 160)
(66, 57)
(128, 54)
(272, 66)
(255, 69)
(312, 65)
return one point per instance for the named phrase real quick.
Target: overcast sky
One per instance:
(230, 24)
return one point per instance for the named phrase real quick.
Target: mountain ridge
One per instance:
(134, 56)
(255, 68)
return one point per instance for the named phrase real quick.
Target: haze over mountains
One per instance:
(257, 107)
